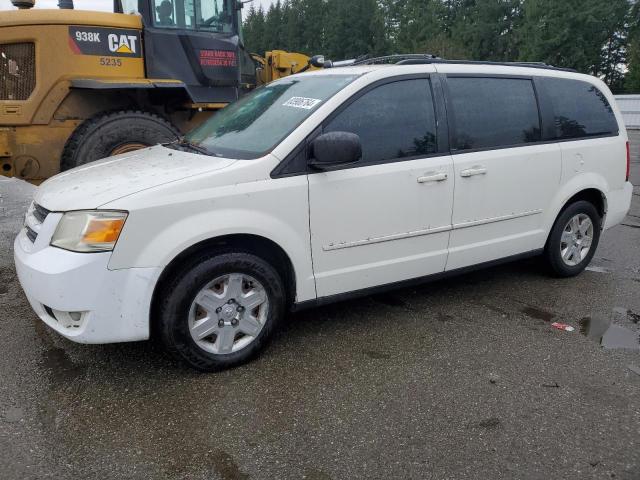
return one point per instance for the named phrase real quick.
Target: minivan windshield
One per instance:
(254, 125)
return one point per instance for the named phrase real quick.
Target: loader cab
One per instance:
(198, 42)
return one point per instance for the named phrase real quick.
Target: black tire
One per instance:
(103, 134)
(178, 293)
(552, 250)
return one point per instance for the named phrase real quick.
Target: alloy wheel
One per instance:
(576, 239)
(228, 313)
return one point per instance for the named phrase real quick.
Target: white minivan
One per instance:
(321, 186)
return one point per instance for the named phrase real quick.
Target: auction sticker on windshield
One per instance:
(302, 102)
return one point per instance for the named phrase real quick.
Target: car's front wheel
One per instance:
(220, 311)
(573, 239)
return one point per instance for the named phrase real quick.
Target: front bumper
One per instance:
(79, 297)
(618, 204)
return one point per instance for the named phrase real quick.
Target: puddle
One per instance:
(63, 369)
(444, 317)
(495, 309)
(537, 313)
(488, 423)
(608, 335)
(390, 300)
(376, 355)
(6, 277)
(226, 467)
(315, 474)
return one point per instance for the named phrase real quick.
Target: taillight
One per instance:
(628, 162)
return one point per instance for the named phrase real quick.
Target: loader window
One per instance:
(253, 126)
(215, 15)
(130, 7)
(207, 15)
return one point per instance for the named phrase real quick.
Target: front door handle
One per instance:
(432, 177)
(475, 170)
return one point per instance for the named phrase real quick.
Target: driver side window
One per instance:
(395, 121)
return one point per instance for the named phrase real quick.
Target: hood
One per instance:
(104, 181)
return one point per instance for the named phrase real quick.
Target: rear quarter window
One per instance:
(580, 109)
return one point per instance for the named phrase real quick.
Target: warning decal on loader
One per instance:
(112, 42)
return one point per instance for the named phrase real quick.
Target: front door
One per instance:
(388, 217)
(505, 176)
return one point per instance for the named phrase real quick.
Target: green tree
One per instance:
(580, 34)
(313, 15)
(354, 28)
(425, 26)
(293, 29)
(486, 28)
(632, 78)
(274, 36)
(253, 28)
(592, 36)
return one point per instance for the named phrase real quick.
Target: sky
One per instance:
(103, 5)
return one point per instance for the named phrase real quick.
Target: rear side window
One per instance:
(394, 121)
(493, 112)
(580, 109)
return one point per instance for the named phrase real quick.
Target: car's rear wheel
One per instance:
(573, 239)
(220, 311)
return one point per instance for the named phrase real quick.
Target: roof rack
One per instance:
(543, 65)
(427, 58)
(395, 59)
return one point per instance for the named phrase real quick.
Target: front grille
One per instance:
(34, 219)
(31, 234)
(17, 70)
(40, 212)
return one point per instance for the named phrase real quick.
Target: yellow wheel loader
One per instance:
(76, 86)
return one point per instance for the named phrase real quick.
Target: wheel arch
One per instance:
(593, 194)
(257, 245)
(587, 186)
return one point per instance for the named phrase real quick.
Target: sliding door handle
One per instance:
(433, 177)
(475, 170)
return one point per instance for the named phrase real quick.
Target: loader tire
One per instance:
(113, 133)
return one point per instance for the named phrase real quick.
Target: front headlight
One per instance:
(89, 230)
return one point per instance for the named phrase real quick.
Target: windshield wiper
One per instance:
(184, 145)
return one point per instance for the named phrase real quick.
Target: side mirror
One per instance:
(335, 149)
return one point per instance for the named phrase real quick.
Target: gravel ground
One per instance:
(463, 378)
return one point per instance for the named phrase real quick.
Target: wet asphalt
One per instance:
(463, 378)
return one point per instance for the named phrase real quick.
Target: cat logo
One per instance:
(122, 43)
(104, 42)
